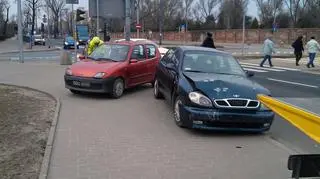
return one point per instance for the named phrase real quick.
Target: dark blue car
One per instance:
(208, 89)
(69, 42)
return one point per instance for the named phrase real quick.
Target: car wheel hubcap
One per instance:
(119, 88)
(177, 110)
(156, 87)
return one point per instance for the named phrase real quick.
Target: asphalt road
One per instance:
(300, 89)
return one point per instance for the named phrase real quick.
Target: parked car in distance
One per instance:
(69, 42)
(39, 40)
(162, 50)
(208, 89)
(114, 67)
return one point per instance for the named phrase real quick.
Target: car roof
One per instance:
(198, 48)
(134, 41)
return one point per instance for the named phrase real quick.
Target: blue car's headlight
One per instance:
(66, 43)
(200, 99)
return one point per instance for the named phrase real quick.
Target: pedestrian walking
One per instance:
(313, 47)
(298, 49)
(208, 42)
(268, 49)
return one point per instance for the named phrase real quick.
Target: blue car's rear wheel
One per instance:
(176, 112)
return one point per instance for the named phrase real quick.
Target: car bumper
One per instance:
(215, 119)
(92, 85)
(82, 42)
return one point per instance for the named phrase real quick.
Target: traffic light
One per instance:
(79, 16)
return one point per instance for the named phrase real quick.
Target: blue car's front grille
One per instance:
(236, 103)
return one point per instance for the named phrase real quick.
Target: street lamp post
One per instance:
(20, 32)
(243, 32)
(138, 16)
(127, 24)
(161, 22)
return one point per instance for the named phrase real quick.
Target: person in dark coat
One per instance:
(298, 49)
(208, 42)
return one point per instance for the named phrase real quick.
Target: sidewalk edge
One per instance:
(41, 50)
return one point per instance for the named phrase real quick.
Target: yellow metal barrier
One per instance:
(307, 122)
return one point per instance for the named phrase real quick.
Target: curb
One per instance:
(40, 50)
(48, 151)
(47, 154)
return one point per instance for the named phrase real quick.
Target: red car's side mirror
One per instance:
(133, 60)
(82, 57)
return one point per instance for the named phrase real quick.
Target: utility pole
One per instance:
(98, 15)
(243, 32)
(161, 22)
(20, 32)
(128, 22)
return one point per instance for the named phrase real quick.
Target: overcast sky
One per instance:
(252, 8)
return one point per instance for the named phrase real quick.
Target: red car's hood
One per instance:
(89, 68)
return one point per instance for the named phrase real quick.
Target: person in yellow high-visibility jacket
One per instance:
(93, 44)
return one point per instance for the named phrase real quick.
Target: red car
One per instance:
(114, 67)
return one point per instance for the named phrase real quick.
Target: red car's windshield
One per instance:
(114, 52)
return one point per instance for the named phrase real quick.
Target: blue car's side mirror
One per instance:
(250, 73)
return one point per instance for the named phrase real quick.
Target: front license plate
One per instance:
(76, 83)
(84, 84)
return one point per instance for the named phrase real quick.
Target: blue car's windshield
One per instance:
(68, 39)
(211, 62)
(112, 52)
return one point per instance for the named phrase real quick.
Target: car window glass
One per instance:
(151, 51)
(165, 59)
(138, 52)
(110, 51)
(211, 62)
(175, 58)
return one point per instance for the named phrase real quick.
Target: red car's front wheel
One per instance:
(118, 88)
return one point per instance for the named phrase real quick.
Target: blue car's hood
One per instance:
(219, 86)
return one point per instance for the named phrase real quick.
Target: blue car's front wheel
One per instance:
(176, 112)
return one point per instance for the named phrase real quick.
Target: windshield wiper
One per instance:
(91, 58)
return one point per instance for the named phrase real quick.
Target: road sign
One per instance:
(138, 26)
(72, 1)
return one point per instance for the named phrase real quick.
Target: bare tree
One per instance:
(269, 9)
(187, 7)
(296, 9)
(5, 7)
(33, 6)
(231, 13)
(206, 7)
(56, 7)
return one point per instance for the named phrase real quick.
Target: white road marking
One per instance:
(255, 70)
(262, 68)
(293, 83)
(281, 68)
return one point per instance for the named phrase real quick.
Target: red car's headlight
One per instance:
(68, 71)
(100, 75)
